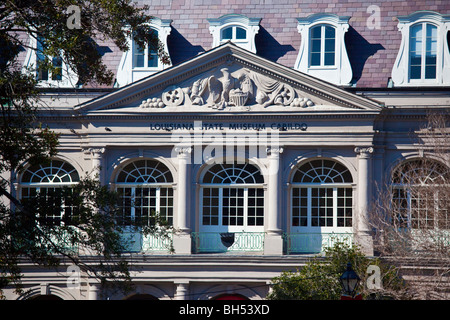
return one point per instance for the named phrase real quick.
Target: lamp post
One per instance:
(349, 282)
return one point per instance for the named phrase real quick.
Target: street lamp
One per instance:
(349, 281)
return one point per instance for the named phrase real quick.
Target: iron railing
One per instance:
(216, 242)
(138, 242)
(314, 242)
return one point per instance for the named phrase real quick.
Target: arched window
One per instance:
(422, 51)
(322, 195)
(420, 195)
(43, 185)
(145, 189)
(232, 198)
(322, 46)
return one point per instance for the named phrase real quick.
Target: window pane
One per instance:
(152, 59)
(138, 57)
(315, 46)
(329, 32)
(329, 59)
(57, 71)
(227, 33)
(241, 33)
(316, 32)
(431, 47)
(315, 59)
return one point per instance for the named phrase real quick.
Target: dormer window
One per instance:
(235, 28)
(323, 53)
(423, 58)
(146, 57)
(140, 62)
(59, 75)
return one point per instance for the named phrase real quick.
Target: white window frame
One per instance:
(250, 25)
(410, 198)
(69, 77)
(341, 72)
(309, 228)
(401, 70)
(220, 227)
(126, 73)
(46, 182)
(146, 185)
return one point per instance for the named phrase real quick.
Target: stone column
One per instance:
(182, 238)
(181, 290)
(94, 291)
(363, 229)
(273, 243)
(97, 157)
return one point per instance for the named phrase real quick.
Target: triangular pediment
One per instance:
(228, 78)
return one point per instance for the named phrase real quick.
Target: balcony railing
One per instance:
(137, 242)
(216, 242)
(314, 242)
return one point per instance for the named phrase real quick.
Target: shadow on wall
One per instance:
(359, 50)
(269, 48)
(180, 49)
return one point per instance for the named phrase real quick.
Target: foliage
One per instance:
(26, 230)
(319, 278)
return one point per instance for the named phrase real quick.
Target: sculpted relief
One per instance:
(229, 88)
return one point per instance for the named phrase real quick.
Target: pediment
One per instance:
(228, 79)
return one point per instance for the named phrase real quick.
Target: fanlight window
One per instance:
(233, 173)
(322, 171)
(43, 186)
(233, 197)
(145, 189)
(420, 195)
(322, 195)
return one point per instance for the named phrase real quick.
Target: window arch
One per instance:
(322, 45)
(145, 188)
(49, 185)
(232, 198)
(423, 51)
(419, 189)
(321, 195)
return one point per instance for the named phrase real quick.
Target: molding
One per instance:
(340, 73)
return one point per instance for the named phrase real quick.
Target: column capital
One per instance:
(96, 152)
(274, 151)
(364, 152)
(183, 151)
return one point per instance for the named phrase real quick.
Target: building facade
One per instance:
(265, 140)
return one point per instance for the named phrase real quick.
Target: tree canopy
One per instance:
(70, 30)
